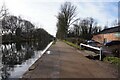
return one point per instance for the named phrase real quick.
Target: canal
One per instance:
(16, 58)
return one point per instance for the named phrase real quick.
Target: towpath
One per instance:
(64, 61)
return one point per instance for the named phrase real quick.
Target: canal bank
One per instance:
(64, 61)
(16, 58)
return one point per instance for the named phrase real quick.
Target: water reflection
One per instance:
(18, 55)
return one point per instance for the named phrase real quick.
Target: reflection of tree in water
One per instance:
(11, 56)
(15, 54)
(5, 74)
(29, 52)
(41, 45)
(18, 46)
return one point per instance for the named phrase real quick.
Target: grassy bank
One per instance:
(72, 44)
(112, 60)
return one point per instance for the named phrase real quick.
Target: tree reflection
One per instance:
(17, 53)
(5, 74)
(18, 46)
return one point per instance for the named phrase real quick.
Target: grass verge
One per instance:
(112, 60)
(72, 44)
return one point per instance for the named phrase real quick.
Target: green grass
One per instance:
(112, 60)
(71, 44)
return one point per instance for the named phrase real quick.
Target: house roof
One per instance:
(110, 30)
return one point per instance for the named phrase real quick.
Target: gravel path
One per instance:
(64, 61)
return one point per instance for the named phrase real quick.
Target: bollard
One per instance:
(100, 57)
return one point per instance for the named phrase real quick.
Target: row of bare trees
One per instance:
(17, 29)
(82, 28)
(85, 28)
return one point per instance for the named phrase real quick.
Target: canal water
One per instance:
(16, 58)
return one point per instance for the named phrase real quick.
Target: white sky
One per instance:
(42, 12)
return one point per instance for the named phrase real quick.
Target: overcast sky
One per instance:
(42, 12)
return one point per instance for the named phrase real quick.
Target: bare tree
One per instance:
(65, 19)
(86, 28)
(3, 11)
(115, 23)
(3, 14)
(105, 27)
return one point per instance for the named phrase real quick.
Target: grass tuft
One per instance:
(112, 60)
(71, 44)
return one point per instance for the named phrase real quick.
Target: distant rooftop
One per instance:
(111, 30)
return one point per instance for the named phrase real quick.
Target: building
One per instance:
(107, 35)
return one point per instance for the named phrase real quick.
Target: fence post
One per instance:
(100, 57)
